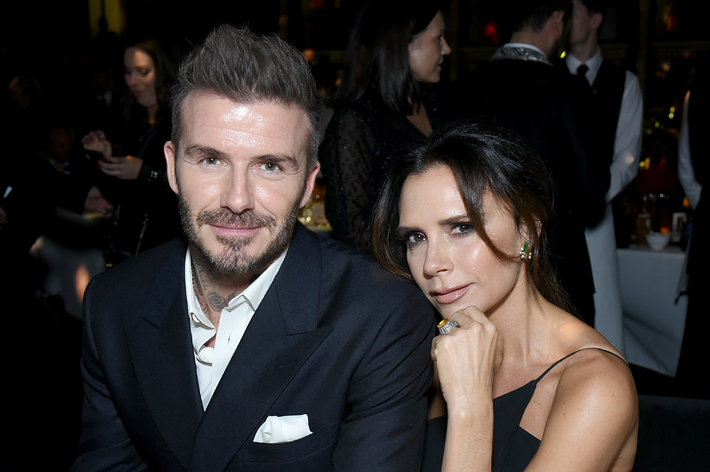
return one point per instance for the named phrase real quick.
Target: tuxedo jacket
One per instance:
(336, 338)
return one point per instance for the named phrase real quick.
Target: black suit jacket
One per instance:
(336, 337)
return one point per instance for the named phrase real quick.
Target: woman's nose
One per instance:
(437, 258)
(445, 48)
(130, 78)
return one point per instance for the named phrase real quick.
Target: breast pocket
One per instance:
(313, 452)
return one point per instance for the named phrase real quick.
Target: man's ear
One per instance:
(558, 20)
(310, 183)
(597, 19)
(170, 151)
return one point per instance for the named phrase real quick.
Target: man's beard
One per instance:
(233, 260)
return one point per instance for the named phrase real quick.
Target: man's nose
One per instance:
(238, 192)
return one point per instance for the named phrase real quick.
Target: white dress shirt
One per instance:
(601, 240)
(211, 362)
(627, 144)
(686, 174)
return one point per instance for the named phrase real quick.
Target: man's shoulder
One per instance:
(515, 75)
(356, 267)
(145, 267)
(346, 270)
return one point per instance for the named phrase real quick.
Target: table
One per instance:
(654, 317)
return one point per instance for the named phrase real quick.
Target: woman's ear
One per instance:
(528, 235)
(538, 227)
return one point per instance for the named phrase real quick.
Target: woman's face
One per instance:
(427, 51)
(448, 260)
(140, 76)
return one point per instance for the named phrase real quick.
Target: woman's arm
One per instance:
(593, 421)
(346, 159)
(126, 167)
(464, 360)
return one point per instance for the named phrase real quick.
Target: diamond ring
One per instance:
(445, 326)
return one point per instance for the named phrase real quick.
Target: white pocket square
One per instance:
(282, 429)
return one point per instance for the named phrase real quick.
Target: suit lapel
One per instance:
(280, 337)
(161, 351)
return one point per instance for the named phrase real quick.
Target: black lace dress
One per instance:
(356, 154)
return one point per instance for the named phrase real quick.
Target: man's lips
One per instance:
(449, 295)
(235, 231)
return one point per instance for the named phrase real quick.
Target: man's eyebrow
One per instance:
(198, 150)
(279, 158)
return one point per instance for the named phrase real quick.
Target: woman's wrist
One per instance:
(465, 408)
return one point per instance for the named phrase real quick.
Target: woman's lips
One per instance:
(449, 295)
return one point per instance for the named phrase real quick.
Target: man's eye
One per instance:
(270, 166)
(211, 161)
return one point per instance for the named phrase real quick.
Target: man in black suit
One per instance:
(255, 344)
(520, 89)
(611, 102)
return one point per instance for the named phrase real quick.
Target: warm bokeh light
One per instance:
(81, 280)
(113, 12)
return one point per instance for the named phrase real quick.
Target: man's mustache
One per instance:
(224, 217)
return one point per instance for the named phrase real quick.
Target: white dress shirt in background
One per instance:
(686, 174)
(601, 240)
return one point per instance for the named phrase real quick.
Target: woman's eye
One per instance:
(413, 239)
(461, 228)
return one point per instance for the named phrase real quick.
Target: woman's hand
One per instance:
(96, 141)
(96, 202)
(127, 167)
(464, 359)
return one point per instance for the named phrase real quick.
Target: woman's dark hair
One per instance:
(483, 159)
(165, 76)
(377, 57)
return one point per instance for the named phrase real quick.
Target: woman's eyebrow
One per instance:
(454, 219)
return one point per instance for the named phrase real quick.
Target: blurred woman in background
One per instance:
(382, 107)
(146, 209)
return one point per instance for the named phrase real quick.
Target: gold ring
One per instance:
(445, 326)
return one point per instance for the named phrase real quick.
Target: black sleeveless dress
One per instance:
(513, 447)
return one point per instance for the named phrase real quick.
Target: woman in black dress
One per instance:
(133, 164)
(521, 384)
(382, 107)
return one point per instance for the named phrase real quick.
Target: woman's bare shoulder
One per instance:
(593, 421)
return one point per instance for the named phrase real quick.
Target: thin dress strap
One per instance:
(572, 354)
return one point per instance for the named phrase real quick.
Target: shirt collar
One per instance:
(253, 294)
(594, 63)
(521, 51)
